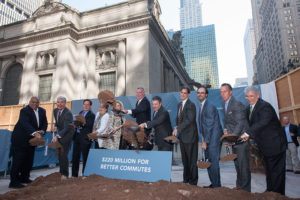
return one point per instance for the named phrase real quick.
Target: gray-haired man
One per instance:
(63, 119)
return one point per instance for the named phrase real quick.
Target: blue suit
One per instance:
(210, 128)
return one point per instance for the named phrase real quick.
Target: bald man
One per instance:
(32, 122)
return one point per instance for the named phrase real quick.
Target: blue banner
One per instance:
(5, 136)
(149, 166)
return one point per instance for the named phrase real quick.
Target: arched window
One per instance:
(12, 83)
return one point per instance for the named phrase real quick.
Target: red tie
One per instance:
(58, 116)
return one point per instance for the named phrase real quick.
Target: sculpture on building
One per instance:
(106, 58)
(176, 43)
(46, 59)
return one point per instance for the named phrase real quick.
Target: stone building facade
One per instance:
(60, 51)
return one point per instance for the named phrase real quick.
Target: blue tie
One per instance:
(199, 118)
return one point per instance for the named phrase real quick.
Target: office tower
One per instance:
(16, 10)
(278, 25)
(250, 47)
(200, 53)
(190, 14)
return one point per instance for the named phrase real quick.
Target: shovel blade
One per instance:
(229, 157)
(203, 165)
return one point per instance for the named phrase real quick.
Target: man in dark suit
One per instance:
(82, 143)
(186, 131)
(292, 159)
(142, 111)
(32, 122)
(161, 124)
(210, 128)
(63, 120)
(236, 123)
(266, 130)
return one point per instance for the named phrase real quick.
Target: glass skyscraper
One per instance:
(190, 14)
(16, 10)
(200, 53)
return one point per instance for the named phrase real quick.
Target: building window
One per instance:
(26, 15)
(2, 1)
(12, 83)
(10, 5)
(19, 11)
(107, 81)
(45, 87)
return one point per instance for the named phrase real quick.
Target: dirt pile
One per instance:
(97, 187)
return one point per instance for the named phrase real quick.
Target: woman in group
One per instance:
(100, 124)
(116, 120)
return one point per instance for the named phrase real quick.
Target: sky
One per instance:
(229, 17)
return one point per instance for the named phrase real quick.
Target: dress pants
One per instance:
(242, 166)
(189, 156)
(63, 159)
(79, 147)
(292, 159)
(21, 164)
(213, 155)
(275, 172)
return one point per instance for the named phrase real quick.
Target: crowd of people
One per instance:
(258, 121)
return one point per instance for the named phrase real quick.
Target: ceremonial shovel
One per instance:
(37, 140)
(171, 139)
(231, 139)
(203, 164)
(56, 145)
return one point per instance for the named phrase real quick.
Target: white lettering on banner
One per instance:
(125, 160)
(135, 168)
(143, 161)
(110, 167)
(107, 159)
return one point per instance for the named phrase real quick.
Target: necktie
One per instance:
(155, 112)
(58, 116)
(199, 117)
(250, 113)
(226, 104)
(179, 112)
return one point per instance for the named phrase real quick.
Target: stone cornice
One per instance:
(73, 32)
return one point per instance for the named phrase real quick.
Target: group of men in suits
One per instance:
(258, 121)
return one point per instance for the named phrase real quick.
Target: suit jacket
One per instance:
(265, 128)
(187, 127)
(235, 118)
(142, 111)
(27, 124)
(210, 125)
(65, 131)
(162, 126)
(86, 128)
(293, 129)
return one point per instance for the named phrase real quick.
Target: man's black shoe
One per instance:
(16, 186)
(209, 186)
(26, 181)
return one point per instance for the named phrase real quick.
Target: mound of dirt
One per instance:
(95, 187)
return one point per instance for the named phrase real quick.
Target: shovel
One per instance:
(56, 145)
(171, 139)
(229, 156)
(203, 164)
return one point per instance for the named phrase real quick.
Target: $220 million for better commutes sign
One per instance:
(148, 166)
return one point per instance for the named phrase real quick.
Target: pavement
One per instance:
(228, 178)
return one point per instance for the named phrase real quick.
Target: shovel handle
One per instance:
(227, 150)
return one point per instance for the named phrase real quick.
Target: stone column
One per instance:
(121, 69)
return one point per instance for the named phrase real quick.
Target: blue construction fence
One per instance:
(46, 156)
